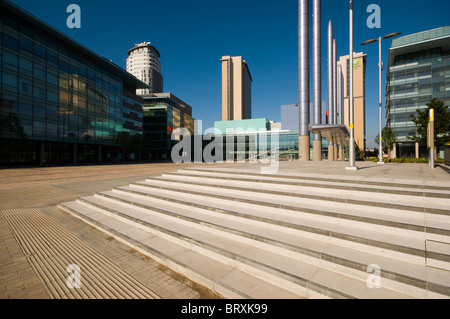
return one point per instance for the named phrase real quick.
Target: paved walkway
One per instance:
(38, 241)
(412, 173)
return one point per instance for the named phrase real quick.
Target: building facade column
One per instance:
(317, 150)
(330, 151)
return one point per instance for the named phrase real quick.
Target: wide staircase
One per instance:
(248, 235)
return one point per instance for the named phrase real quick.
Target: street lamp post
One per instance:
(351, 146)
(380, 69)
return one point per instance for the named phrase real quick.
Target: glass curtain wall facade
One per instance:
(248, 146)
(162, 115)
(419, 70)
(69, 102)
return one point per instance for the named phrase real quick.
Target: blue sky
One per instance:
(193, 35)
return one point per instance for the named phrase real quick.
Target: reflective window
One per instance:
(10, 58)
(10, 42)
(52, 97)
(52, 79)
(64, 96)
(52, 57)
(25, 86)
(9, 104)
(64, 83)
(39, 72)
(39, 112)
(26, 44)
(26, 64)
(40, 51)
(9, 80)
(39, 93)
(25, 109)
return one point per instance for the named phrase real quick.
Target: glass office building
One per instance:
(277, 145)
(60, 102)
(249, 139)
(418, 70)
(163, 113)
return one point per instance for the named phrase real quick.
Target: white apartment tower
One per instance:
(143, 62)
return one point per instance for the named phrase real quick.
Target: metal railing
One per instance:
(277, 154)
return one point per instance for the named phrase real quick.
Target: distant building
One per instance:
(359, 104)
(163, 114)
(236, 89)
(143, 62)
(70, 103)
(274, 126)
(237, 126)
(256, 135)
(418, 70)
(290, 117)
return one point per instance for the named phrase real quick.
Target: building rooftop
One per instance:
(176, 102)
(42, 26)
(143, 45)
(242, 126)
(430, 39)
(228, 57)
(423, 36)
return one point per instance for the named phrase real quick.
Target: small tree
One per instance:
(441, 123)
(389, 139)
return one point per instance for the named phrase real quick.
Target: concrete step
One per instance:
(404, 202)
(327, 185)
(435, 209)
(339, 259)
(299, 277)
(248, 235)
(358, 222)
(215, 275)
(344, 180)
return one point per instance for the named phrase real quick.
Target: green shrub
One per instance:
(411, 160)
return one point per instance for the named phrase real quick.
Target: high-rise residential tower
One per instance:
(143, 62)
(236, 89)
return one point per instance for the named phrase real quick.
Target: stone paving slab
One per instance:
(44, 188)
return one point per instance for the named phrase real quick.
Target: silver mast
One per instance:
(317, 68)
(334, 83)
(317, 74)
(330, 72)
(340, 77)
(352, 151)
(303, 59)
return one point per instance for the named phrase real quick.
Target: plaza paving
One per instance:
(29, 220)
(38, 241)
